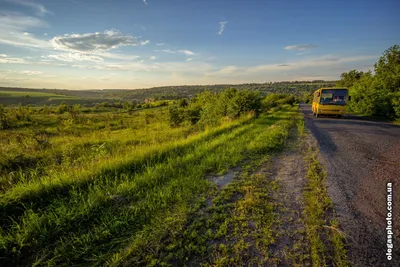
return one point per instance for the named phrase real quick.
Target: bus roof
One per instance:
(332, 88)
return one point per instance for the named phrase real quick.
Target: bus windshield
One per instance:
(333, 97)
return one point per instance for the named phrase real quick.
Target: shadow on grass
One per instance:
(11, 209)
(84, 222)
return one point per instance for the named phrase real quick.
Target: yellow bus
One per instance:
(330, 101)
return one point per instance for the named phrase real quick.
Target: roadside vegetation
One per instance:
(122, 186)
(376, 93)
(326, 240)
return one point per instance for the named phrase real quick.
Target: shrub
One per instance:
(4, 120)
(176, 116)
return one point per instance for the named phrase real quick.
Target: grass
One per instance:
(326, 241)
(27, 93)
(119, 189)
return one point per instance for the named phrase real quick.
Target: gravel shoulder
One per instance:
(361, 156)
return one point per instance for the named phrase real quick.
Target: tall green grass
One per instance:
(120, 208)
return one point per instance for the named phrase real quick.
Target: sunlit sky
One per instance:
(94, 44)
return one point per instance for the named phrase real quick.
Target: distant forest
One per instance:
(91, 97)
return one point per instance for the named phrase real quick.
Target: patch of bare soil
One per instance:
(290, 173)
(223, 180)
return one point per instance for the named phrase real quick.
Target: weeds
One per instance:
(326, 243)
(124, 194)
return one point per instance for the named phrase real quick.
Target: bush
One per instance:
(275, 100)
(176, 116)
(192, 114)
(4, 120)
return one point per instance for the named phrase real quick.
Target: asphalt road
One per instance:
(360, 157)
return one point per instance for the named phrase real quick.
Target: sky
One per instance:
(129, 44)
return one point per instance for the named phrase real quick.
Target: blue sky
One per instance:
(94, 44)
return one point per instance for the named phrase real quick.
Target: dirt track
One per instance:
(360, 157)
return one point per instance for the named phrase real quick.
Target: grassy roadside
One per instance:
(136, 215)
(326, 242)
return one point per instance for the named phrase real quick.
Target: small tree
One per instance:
(183, 103)
(176, 116)
(4, 120)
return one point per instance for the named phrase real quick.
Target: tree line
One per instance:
(376, 93)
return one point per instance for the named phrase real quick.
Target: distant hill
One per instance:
(14, 96)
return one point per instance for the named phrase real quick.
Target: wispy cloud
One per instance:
(320, 62)
(324, 62)
(14, 30)
(228, 70)
(12, 60)
(187, 52)
(152, 58)
(184, 51)
(303, 52)
(70, 57)
(189, 59)
(160, 44)
(167, 51)
(40, 9)
(31, 72)
(222, 25)
(145, 2)
(303, 47)
(94, 42)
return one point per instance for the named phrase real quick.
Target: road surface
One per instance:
(360, 157)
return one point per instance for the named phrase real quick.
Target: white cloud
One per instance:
(228, 70)
(13, 30)
(31, 72)
(69, 57)
(303, 52)
(184, 51)
(40, 9)
(94, 42)
(225, 71)
(145, 42)
(160, 44)
(12, 60)
(124, 66)
(189, 59)
(152, 58)
(222, 25)
(303, 47)
(3, 55)
(187, 52)
(166, 51)
(145, 2)
(324, 61)
(117, 56)
(45, 34)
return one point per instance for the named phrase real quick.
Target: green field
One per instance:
(87, 187)
(27, 93)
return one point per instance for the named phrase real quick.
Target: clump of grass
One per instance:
(326, 242)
